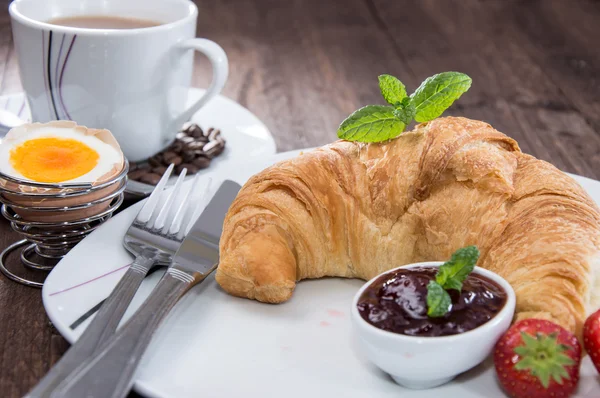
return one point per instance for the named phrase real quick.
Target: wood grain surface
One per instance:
(302, 66)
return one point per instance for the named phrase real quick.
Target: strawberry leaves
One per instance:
(543, 357)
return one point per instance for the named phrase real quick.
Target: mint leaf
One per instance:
(405, 111)
(437, 93)
(438, 300)
(392, 89)
(453, 273)
(373, 123)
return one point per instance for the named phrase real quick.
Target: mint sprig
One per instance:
(450, 275)
(377, 123)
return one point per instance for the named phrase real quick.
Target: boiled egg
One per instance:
(60, 152)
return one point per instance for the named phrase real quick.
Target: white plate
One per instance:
(215, 345)
(245, 134)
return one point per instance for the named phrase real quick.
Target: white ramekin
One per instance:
(425, 362)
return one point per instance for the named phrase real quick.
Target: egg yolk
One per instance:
(53, 160)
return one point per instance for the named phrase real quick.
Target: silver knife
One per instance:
(109, 372)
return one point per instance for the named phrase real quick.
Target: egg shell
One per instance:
(103, 135)
(42, 201)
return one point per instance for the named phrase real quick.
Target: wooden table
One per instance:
(302, 66)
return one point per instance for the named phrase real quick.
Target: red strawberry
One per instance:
(538, 359)
(591, 338)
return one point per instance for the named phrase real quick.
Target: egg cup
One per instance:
(54, 217)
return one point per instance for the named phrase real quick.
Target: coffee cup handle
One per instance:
(217, 57)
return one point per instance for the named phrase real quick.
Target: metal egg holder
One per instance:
(50, 241)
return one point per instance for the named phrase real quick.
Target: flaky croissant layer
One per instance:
(355, 210)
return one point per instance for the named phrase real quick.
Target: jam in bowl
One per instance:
(397, 302)
(390, 315)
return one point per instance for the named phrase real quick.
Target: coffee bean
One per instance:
(136, 174)
(192, 149)
(155, 161)
(187, 140)
(176, 160)
(213, 148)
(150, 178)
(202, 162)
(180, 168)
(214, 134)
(177, 146)
(195, 145)
(208, 147)
(159, 170)
(195, 131)
(188, 156)
(168, 155)
(191, 169)
(169, 158)
(218, 150)
(197, 141)
(186, 126)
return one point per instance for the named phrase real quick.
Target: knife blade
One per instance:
(109, 373)
(200, 249)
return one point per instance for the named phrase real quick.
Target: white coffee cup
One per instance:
(133, 82)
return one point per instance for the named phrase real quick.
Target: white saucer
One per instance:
(247, 137)
(216, 345)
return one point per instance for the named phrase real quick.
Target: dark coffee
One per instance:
(103, 22)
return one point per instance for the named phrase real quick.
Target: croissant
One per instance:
(355, 210)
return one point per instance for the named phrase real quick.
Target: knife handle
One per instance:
(102, 326)
(109, 373)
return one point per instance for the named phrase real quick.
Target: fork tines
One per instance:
(173, 211)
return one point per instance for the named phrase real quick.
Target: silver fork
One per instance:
(153, 238)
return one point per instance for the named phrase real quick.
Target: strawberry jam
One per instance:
(397, 302)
